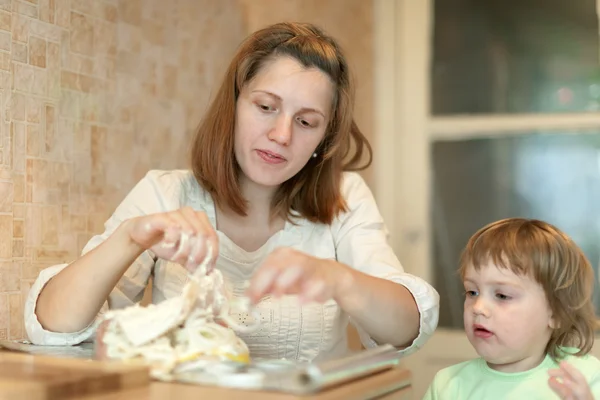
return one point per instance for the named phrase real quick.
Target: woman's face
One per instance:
(281, 117)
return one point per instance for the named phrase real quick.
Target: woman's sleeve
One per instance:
(362, 243)
(152, 194)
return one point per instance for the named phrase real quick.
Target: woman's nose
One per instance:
(281, 133)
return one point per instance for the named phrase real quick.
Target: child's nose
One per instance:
(480, 307)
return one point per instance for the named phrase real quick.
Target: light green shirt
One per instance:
(475, 380)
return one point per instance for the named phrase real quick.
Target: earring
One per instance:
(314, 155)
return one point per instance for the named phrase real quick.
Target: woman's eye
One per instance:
(502, 296)
(471, 293)
(304, 123)
(264, 107)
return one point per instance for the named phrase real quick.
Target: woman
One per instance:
(270, 188)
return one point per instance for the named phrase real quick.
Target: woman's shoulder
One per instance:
(354, 187)
(175, 186)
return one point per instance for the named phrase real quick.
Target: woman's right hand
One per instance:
(180, 236)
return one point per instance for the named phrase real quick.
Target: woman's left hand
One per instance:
(568, 383)
(290, 272)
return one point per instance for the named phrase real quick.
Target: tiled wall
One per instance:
(93, 93)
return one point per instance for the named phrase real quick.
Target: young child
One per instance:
(528, 314)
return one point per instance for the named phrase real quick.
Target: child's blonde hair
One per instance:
(541, 251)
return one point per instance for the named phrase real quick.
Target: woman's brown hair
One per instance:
(315, 191)
(534, 248)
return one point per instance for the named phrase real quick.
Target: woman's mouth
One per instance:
(271, 157)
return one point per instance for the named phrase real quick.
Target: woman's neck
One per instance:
(258, 199)
(252, 231)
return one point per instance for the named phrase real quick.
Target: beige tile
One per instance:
(18, 106)
(4, 316)
(5, 21)
(105, 36)
(31, 270)
(83, 6)
(20, 28)
(109, 12)
(82, 240)
(40, 82)
(49, 32)
(50, 127)
(45, 254)
(19, 147)
(37, 52)
(17, 248)
(10, 276)
(33, 140)
(78, 223)
(5, 237)
(54, 90)
(169, 81)
(5, 40)
(63, 13)
(47, 10)
(19, 193)
(19, 52)
(18, 209)
(153, 32)
(104, 68)
(50, 220)
(130, 11)
(69, 104)
(53, 55)
(80, 64)
(23, 77)
(16, 316)
(25, 8)
(18, 228)
(6, 196)
(75, 131)
(4, 61)
(127, 62)
(79, 82)
(130, 38)
(82, 34)
(33, 109)
(6, 5)
(33, 231)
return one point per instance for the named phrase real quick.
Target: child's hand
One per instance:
(568, 383)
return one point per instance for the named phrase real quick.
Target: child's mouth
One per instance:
(481, 332)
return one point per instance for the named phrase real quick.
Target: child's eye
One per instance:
(471, 293)
(502, 296)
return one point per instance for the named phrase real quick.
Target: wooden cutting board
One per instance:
(34, 377)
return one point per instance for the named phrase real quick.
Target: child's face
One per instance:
(507, 318)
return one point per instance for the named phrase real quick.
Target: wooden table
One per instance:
(391, 384)
(42, 377)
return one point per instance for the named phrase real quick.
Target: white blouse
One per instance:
(288, 330)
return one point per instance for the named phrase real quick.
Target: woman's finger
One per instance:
(288, 280)
(182, 221)
(193, 220)
(210, 234)
(314, 290)
(262, 282)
